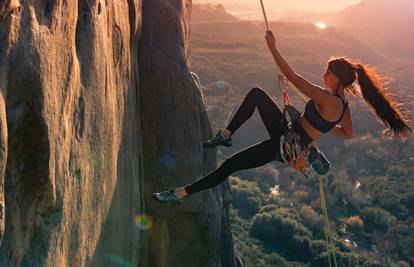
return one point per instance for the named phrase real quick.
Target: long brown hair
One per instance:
(374, 92)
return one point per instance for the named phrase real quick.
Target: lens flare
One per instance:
(143, 221)
(118, 261)
(167, 161)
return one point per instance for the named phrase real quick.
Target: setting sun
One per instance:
(320, 25)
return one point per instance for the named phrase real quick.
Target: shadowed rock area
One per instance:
(70, 132)
(174, 125)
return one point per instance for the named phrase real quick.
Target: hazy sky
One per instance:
(282, 4)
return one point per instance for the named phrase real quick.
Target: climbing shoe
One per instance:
(167, 196)
(218, 140)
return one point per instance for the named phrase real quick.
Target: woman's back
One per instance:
(320, 118)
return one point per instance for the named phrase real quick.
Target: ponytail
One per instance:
(377, 96)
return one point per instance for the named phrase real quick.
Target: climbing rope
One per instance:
(284, 82)
(330, 246)
(284, 85)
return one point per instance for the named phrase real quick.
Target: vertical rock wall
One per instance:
(71, 127)
(174, 125)
(70, 133)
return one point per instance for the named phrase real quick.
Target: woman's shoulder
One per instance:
(327, 100)
(335, 104)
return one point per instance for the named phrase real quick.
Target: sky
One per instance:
(285, 4)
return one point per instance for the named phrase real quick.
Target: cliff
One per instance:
(94, 118)
(70, 132)
(174, 125)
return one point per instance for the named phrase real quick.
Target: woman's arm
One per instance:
(313, 91)
(345, 129)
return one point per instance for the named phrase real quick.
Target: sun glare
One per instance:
(320, 25)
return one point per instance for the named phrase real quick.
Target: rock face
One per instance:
(70, 133)
(174, 125)
(72, 121)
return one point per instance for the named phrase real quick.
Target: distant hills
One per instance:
(381, 14)
(283, 4)
(236, 51)
(210, 13)
(384, 24)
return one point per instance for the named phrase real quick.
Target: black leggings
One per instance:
(253, 156)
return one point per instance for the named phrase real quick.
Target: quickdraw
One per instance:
(292, 152)
(290, 143)
(301, 158)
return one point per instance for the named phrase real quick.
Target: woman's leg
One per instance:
(269, 111)
(251, 157)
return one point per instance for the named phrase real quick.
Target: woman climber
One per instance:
(326, 112)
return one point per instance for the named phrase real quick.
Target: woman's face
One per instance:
(331, 80)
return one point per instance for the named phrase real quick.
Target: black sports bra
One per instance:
(316, 120)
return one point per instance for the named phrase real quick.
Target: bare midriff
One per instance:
(310, 130)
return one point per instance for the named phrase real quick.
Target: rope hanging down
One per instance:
(284, 84)
(330, 246)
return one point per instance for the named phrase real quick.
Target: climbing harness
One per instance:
(300, 158)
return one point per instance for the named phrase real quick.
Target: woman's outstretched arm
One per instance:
(309, 89)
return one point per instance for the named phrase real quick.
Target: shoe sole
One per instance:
(212, 146)
(163, 202)
(154, 196)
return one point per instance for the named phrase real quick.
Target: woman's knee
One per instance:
(256, 91)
